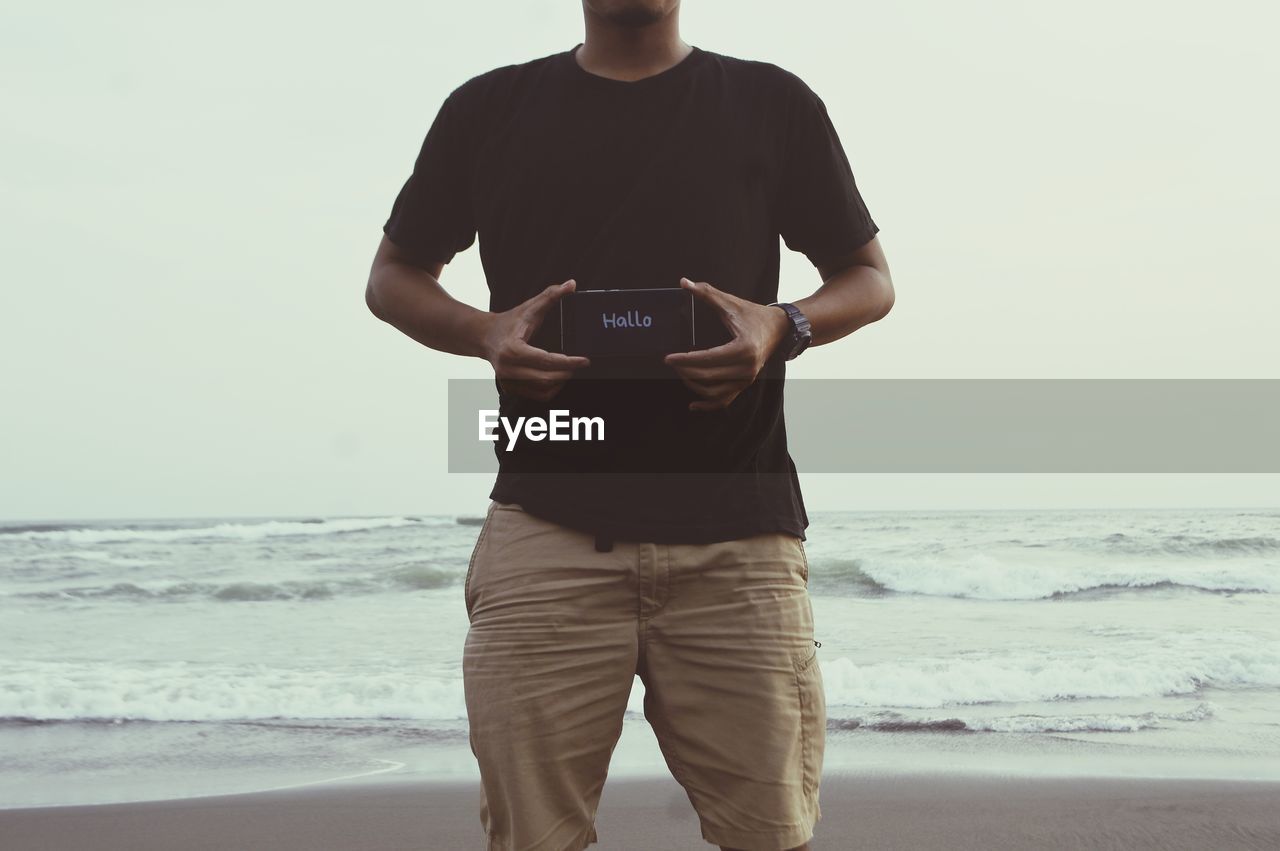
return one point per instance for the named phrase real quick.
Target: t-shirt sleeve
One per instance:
(431, 219)
(820, 211)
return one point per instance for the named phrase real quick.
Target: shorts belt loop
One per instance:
(604, 543)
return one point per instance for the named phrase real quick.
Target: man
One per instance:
(675, 552)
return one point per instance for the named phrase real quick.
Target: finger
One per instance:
(715, 389)
(732, 352)
(523, 354)
(716, 374)
(701, 289)
(536, 308)
(737, 371)
(714, 386)
(527, 373)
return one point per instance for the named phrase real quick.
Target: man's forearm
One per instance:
(855, 296)
(411, 299)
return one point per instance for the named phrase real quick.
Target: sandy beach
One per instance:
(888, 812)
(984, 673)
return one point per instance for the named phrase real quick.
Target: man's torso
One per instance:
(633, 185)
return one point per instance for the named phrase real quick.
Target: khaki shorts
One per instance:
(720, 634)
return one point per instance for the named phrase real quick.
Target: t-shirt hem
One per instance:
(418, 254)
(828, 257)
(657, 533)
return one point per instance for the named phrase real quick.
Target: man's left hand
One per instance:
(720, 373)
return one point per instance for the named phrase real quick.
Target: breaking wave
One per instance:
(90, 534)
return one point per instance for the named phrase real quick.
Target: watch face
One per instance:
(800, 342)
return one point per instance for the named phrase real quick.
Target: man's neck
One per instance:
(631, 53)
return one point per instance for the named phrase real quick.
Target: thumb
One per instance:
(538, 306)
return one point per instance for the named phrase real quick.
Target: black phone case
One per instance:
(557, 333)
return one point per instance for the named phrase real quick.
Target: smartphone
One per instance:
(628, 323)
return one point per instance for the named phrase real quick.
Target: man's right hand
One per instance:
(523, 369)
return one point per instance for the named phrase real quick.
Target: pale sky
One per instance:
(192, 195)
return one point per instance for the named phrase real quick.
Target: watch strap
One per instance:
(801, 330)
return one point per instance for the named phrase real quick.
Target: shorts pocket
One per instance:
(471, 564)
(790, 553)
(813, 724)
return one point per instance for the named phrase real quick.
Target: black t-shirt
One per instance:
(693, 172)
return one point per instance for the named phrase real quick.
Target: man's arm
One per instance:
(856, 291)
(408, 296)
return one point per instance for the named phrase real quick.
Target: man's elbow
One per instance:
(371, 299)
(886, 296)
(877, 295)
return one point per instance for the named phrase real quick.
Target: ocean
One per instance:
(170, 658)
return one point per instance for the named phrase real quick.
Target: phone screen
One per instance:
(625, 323)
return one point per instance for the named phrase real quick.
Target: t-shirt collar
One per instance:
(675, 72)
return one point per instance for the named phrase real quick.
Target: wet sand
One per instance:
(885, 813)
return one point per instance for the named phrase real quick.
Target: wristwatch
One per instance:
(800, 337)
